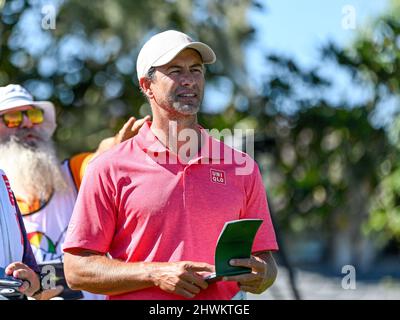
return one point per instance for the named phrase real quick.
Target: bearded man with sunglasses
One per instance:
(45, 190)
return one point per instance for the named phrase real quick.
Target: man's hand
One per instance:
(31, 281)
(182, 278)
(262, 276)
(129, 130)
(49, 293)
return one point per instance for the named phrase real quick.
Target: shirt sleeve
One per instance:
(257, 208)
(93, 220)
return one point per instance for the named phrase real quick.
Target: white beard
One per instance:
(34, 171)
(186, 109)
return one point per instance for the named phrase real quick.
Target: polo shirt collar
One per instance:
(149, 143)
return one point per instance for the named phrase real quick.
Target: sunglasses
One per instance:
(14, 119)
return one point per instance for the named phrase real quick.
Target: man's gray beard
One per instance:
(186, 109)
(34, 171)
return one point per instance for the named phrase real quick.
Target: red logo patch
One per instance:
(10, 194)
(218, 176)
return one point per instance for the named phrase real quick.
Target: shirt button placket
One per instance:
(185, 193)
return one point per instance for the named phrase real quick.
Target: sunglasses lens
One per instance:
(35, 115)
(12, 119)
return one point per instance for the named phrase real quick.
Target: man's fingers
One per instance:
(13, 266)
(248, 289)
(200, 282)
(127, 126)
(184, 293)
(138, 124)
(196, 280)
(252, 263)
(25, 286)
(51, 293)
(21, 271)
(124, 133)
(190, 287)
(22, 274)
(243, 278)
(131, 128)
(200, 266)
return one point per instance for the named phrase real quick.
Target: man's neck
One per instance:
(173, 130)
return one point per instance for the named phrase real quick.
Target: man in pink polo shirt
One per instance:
(157, 202)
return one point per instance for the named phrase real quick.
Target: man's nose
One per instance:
(187, 79)
(26, 122)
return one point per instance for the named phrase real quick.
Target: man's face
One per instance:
(29, 158)
(179, 85)
(27, 133)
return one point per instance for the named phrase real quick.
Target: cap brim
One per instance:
(207, 54)
(21, 102)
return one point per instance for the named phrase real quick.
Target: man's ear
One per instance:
(145, 85)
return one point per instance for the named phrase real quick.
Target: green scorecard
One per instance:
(235, 241)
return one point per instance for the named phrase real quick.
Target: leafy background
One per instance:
(332, 174)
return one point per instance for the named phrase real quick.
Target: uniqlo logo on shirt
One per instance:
(10, 194)
(218, 176)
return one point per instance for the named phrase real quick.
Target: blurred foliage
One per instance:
(328, 168)
(375, 62)
(325, 164)
(337, 170)
(87, 64)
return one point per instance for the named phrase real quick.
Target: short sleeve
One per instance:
(77, 166)
(257, 208)
(93, 221)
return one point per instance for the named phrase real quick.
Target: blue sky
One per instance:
(298, 29)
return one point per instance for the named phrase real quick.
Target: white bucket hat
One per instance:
(165, 46)
(14, 96)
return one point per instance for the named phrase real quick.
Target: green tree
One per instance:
(86, 65)
(334, 171)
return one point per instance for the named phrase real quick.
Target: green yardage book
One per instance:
(235, 241)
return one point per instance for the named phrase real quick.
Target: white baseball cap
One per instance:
(165, 46)
(14, 96)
